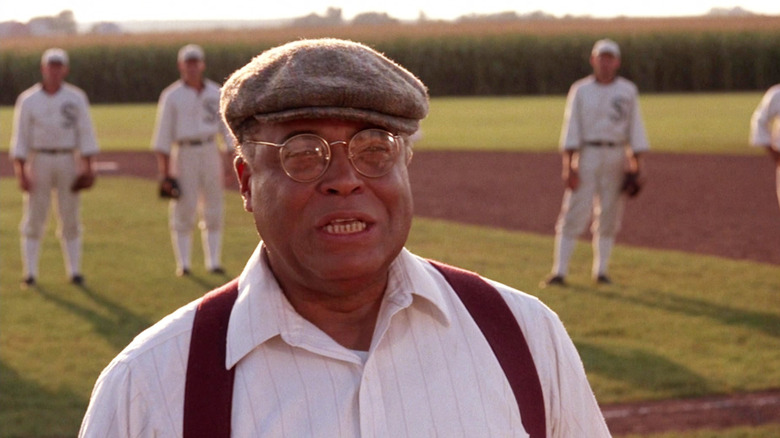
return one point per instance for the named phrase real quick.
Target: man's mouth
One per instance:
(345, 226)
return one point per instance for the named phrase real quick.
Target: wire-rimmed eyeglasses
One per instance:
(306, 157)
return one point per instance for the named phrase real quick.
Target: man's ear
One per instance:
(244, 174)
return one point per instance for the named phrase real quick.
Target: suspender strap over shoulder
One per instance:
(208, 393)
(208, 390)
(503, 333)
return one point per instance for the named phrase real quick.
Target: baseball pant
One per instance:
(598, 198)
(51, 173)
(199, 170)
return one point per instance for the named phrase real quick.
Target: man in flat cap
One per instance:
(186, 141)
(334, 329)
(52, 147)
(601, 142)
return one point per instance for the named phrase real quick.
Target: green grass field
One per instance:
(673, 325)
(684, 123)
(714, 329)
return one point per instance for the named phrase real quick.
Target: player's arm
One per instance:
(20, 170)
(774, 154)
(763, 117)
(569, 165)
(163, 164)
(20, 142)
(87, 165)
(634, 162)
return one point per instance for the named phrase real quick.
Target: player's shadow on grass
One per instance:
(37, 410)
(118, 328)
(640, 369)
(760, 321)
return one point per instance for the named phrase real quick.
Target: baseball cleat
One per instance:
(29, 281)
(553, 280)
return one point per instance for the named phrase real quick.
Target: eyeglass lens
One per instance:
(306, 157)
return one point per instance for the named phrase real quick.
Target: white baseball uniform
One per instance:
(599, 122)
(188, 123)
(765, 125)
(50, 131)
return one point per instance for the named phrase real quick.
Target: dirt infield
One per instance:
(721, 205)
(718, 205)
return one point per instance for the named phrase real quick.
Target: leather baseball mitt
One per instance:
(631, 184)
(82, 182)
(169, 188)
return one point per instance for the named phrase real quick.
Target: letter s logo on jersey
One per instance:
(211, 109)
(70, 115)
(620, 107)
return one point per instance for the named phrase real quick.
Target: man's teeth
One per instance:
(345, 226)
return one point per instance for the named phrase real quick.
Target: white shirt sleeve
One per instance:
(20, 133)
(637, 135)
(571, 132)
(164, 124)
(764, 126)
(570, 405)
(110, 402)
(86, 140)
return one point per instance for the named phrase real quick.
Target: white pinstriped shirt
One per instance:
(429, 372)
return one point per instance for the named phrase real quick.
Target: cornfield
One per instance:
(453, 59)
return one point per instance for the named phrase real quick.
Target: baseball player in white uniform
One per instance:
(601, 141)
(185, 141)
(765, 128)
(52, 147)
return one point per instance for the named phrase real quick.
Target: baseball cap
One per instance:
(325, 78)
(191, 52)
(54, 55)
(606, 46)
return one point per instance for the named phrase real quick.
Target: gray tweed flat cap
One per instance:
(325, 78)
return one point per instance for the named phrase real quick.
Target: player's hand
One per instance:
(169, 188)
(25, 183)
(572, 179)
(83, 181)
(632, 185)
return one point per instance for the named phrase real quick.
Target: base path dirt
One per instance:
(717, 205)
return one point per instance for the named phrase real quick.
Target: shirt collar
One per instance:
(262, 312)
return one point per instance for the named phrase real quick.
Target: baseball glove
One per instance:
(169, 188)
(631, 184)
(83, 182)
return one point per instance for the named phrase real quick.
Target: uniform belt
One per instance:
(53, 151)
(608, 144)
(196, 142)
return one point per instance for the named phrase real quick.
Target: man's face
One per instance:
(343, 228)
(605, 66)
(192, 69)
(54, 73)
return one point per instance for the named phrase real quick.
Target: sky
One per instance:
(89, 11)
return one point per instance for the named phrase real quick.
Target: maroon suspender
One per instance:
(503, 333)
(208, 390)
(208, 394)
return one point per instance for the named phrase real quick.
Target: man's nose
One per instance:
(341, 177)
